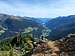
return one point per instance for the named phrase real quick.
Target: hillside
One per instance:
(26, 36)
(25, 45)
(61, 26)
(15, 24)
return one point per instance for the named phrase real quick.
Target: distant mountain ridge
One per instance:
(61, 26)
(15, 24)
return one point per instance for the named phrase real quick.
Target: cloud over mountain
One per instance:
(38, 8)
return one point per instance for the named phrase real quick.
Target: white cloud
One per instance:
(60, 8)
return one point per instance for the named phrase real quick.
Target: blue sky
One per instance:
(38, 8)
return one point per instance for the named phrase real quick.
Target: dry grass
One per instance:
(7, 53)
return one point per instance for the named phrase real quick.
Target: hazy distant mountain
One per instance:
(15, 24)
(61, 26)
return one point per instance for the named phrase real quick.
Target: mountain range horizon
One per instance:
(37, 17)
(59, 26)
